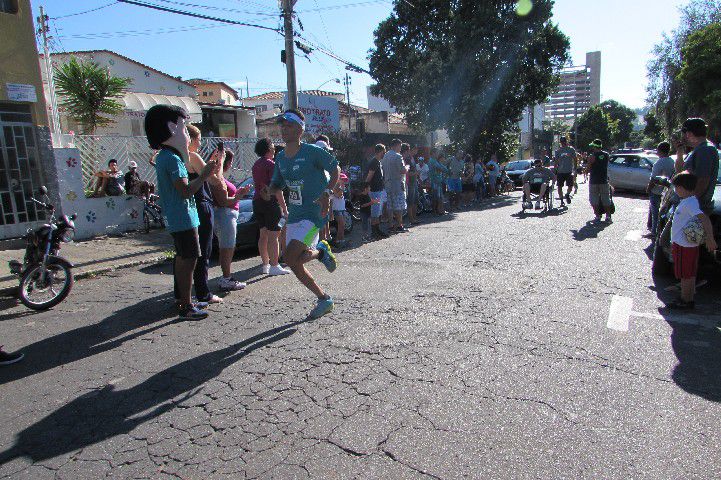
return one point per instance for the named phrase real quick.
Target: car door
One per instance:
(617, 171)
(633, 174)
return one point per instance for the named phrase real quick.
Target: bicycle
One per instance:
(152, 213)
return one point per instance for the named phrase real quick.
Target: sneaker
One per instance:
(266, 268)
(230, 284)
(608, 219)
(326, 257)
(568, 198)
(528, 205)
(681, 305)
(324, 306)
(192, 313)
(198, 304)
(538, 205)
(10, 358)
(403, 230)
(277, 270)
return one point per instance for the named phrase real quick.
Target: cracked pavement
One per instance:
(473, 347)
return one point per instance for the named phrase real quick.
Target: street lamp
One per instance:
(336, 80)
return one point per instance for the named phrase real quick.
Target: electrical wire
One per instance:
(222, 9)
(134, 33)
(197, 15)
(84, 12)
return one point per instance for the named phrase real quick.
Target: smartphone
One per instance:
(221, 146)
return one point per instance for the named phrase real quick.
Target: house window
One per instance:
(8, 6)
(279, 106)
(261, 108)
(210, 94)
(205, 94)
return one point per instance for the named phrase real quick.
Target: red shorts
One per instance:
(685, 261)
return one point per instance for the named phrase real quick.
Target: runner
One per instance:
(599, 192)
(302, 168)
(565, 163)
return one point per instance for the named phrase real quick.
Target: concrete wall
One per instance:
(19, 57)
(379, 104)
(96, 216)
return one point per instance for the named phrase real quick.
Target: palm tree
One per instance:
(90, 93)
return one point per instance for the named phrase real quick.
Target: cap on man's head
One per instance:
(292, 116)
(596, 144)
(697, 126)
(132, 164)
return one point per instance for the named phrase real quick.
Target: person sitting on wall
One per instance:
(108, 182)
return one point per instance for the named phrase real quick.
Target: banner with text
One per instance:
(322, 114)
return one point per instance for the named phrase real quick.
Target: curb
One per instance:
(12, 291)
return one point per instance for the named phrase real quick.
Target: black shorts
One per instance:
(267, 214)
(187, 244)
(564, 179)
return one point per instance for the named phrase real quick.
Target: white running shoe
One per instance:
(230, 284)
(266, 268)
(277, 270)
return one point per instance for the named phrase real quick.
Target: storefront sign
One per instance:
(321, 113)
(19, 92)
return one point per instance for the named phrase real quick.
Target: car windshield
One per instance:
(520, 165)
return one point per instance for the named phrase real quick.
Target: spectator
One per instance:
(467, 180)
(132, 179)
(108, 181)
(365, 202)
(268, 209)
(454, 182)
(423, 172)
(337, 209)
(664, 167)
(493, 173)
(411, 183)
(479, 178)
(394, 177)
(166, 130)
(688, 220)
(323, 142)
(437, 172)
(204, 205)
(703, 161)
(376, 182)
(599, 191)
(225, 198)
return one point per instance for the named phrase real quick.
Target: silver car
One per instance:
(630, 171)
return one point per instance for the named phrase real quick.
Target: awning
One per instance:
(141, 102)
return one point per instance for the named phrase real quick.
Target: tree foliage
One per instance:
(624, 117)
(467, 66)
(701, 74)
(89, 93)
(666, 91)
(594, 124)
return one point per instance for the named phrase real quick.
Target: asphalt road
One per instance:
(483, 345)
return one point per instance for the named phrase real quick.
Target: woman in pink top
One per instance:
(226, 197)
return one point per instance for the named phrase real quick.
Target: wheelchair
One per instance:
(546, 200)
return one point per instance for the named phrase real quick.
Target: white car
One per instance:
(630, 171)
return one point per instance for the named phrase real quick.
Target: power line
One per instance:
(222, 9)
(197, 15)
(84, 11)
(134, 33)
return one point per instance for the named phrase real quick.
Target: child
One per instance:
(337, 204)
(686, 238)
(364, 206)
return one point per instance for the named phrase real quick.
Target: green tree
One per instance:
(595, 123)
(624, 116)
(665, 89)
(700, 74)
(556, 127)
(653, 131)
(467, 66)
(89, 93)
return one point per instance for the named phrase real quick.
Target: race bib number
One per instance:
(295, 196)
(537, 180)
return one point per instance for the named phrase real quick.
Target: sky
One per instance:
(623, 30)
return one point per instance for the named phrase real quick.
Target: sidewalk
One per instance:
(98, 255)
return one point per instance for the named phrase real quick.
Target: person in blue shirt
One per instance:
(302, 169)
(166, 129)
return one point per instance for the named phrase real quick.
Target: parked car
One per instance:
(662, 259)
(630, 171)
(516, 169)
(248, 230)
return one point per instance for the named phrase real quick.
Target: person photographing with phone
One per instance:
(302, 168)
(166, 131)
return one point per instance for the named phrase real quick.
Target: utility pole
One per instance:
(532, 115)
(347, 96)
(43, 29)
(289, 53)
(247, 87)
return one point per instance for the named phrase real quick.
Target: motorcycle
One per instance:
(45, 278)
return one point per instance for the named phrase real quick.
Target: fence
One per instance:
(97, 150)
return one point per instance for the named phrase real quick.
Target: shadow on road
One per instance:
(107, 412)
(590, 230)
(695, 340)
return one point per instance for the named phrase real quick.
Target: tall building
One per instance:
(579, 90)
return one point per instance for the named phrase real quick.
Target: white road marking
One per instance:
(640, 210)
(619, 313)
(634, 235)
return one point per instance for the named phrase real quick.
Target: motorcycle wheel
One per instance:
(41, 296)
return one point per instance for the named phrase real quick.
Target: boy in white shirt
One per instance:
(337, 203)
(686, 236)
